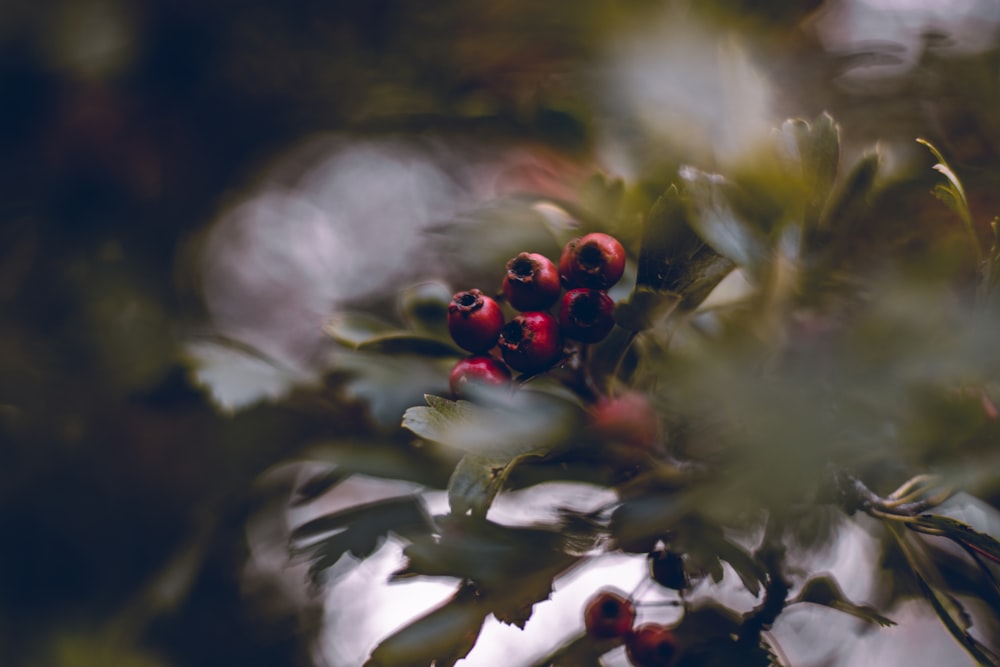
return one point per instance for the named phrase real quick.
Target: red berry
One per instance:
(651, 645)
(532, 282)
(629, 419)
(596, 260)
(480, 370)
(587, 315)
(608, 615)
(531, 342)
(474, 320)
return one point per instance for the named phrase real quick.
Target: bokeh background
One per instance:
(174, 174)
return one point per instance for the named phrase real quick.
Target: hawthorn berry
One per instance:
(629, 419)
(608, 615)
(531, 282)
(651, 645)
(479, 369)
(587, 315)
(474, 320)
(596, 260)
(531, 342)
(666, 568)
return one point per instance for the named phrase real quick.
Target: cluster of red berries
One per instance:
(533, 340)
(610, 615)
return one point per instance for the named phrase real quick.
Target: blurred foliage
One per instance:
(126, 126)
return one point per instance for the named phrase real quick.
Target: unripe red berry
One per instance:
(596, 260)
(531, 342)
(480, 370)
(532, 282)
(629, 419)
(608, 615)
(651, 645)
(587, 315)
(474, 321)
(667, 569)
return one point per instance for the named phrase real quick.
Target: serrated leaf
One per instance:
(852, 196)
(525, 424)
(715, 220)
(354, 329)
(750, 572)
(442, 636)
(816, 147)
(357, 530)
(475, 482)
(826, 591)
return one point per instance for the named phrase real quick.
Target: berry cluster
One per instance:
(610, 615)
(533, 341)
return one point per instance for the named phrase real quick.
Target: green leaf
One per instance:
(824, 590)
(391, 383)
(750, 572)
(852, 198)
(645, 308)
(714, 218)
(358, 530)
(355, 329)
(816, 147)
(424, 308)
(402, 342)
(475, 483)
(440, 637)
(527, 423)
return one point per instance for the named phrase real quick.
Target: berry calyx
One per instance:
(609, 615)
(477, 370)
(531, 282)
(667, 569)
(587, 315)
(531, 342)
(651, 645)
(596, 261)
(474, 320)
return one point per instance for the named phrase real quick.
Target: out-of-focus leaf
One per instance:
(317, 485)
(750, 572)
(581, 651)
(824, 590)
(957, 531)
(949, 610)
(441, 637)
(368, 334)
(816, 147)
(424, 308)
(644, 519)
(852, 196)
(496, 557)
(713, 217)
(602, 197)
(952, 194)
(525, 424)
(644, 308)
(391, 383)
(475, 483)
(358, 530)
(355, 329)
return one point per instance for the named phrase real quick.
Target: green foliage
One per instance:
(845, 362)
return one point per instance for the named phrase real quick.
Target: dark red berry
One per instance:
(667, 569)
(532, 282)
(629, 419)
(478, 370)
(531, 342)
(587, 315)
(596, 260)
(609, 615)
(651, 645)
(474, 320)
